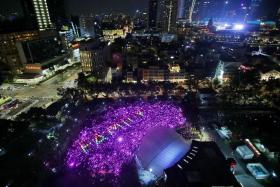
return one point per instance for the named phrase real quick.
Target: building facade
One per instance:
(87, 26)
(42, 14)
(255, 6)
(153, 9)
(57, 13)
(167, 15)
(182, 8)
(8, 49)
(92, 58)
(29, 14)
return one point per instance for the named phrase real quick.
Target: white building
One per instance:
(111, 34)
(224, 132)
(245, 152)
(160, 149)
(258, 170)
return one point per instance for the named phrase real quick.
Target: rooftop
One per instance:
(203, 165)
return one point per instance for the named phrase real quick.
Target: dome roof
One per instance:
(160, 149)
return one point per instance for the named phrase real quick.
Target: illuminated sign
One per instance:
(111, 130)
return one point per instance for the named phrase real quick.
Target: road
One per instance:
(241, 174)
(48, 89)
(46, 92)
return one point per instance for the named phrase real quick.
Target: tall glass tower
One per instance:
(153, 8)
(167, 15)
(255, 6)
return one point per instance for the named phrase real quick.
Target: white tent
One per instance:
(245, 152)
(160, 149)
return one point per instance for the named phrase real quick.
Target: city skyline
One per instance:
(86, 7)
(136, 93)
(232, 10)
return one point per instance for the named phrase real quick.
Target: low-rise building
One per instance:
(41, 54)
(206, 96)
(111, 34)
(203, 165)
(87, 26)
(179, 77)
(129, 77)
(155, 73)
(245, 152)
(67, 36)
(273, 74)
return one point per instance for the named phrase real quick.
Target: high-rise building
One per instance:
(141, 20)
(87, 26)
(37, 9)
(29, 13)
(205, 10)
(278, 18)
(167, 15)
(182, 9)
(155, 73)
(8, 50)
(57, 13)
(153, 8)
(265, 9)
(110, 34)
(42, 14)
(255, 6)
(187, 9)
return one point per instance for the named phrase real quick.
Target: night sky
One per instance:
(98, 6)
(77, 7)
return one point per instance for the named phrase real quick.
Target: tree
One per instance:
(250, 77)
(216, 83)
(234, 82)
(81, 80)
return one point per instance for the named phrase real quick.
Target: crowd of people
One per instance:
(115, 134)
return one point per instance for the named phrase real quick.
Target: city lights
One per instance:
(238, 27)
(139, 93)
(112, 141)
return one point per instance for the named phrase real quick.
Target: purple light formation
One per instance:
(112, 141)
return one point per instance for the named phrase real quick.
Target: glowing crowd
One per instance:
(113, 139)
